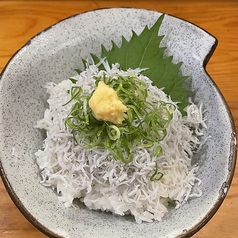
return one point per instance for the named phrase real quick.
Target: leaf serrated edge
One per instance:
(155, 29)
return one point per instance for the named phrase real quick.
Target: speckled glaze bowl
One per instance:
(52, 55)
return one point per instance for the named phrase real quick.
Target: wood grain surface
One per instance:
(20, 20)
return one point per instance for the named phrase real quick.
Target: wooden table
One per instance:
(20, 20)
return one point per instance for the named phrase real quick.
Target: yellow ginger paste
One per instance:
(106, 105)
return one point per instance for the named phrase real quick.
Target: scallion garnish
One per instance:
(144, 125)
(156, 176)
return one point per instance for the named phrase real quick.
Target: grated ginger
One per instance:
(106, 105)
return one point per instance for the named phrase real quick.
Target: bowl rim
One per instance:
(233, 145)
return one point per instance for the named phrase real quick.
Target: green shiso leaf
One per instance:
(144, 51)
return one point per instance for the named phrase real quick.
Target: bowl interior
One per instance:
(52, 56)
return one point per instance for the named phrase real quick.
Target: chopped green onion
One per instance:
(73, 80)
(145, 123)
(113, 132)
(158, 151)
(156, 176)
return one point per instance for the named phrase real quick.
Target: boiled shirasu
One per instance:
(103, 183)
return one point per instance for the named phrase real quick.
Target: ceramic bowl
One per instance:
(52, 55)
